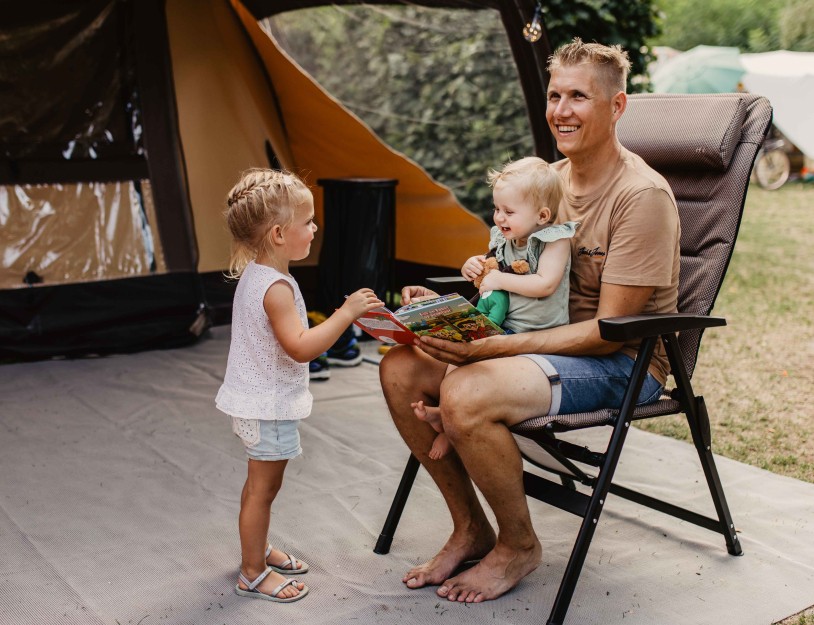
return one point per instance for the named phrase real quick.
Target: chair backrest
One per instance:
(704, 145)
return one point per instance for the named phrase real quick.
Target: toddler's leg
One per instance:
(440, 447)
(430, 414)
(262, 485)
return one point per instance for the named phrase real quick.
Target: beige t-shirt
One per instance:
(629, 235)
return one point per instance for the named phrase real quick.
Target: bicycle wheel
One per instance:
(772, 169)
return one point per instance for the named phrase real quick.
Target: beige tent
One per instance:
(112, 195)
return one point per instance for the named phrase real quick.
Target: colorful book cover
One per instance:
(449, 317)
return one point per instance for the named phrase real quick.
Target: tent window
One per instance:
(56, 234)
(439, 85)
(75, 204)
(68, 84)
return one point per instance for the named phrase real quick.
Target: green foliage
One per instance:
(750, 25)
(441, 86)
(796, 25)
(629, 24)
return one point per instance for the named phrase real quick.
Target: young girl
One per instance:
(271, 219)
(527, 195)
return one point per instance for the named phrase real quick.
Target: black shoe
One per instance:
(319, 369)
(347, 356)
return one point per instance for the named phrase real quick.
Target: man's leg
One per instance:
(478, 404)
(407, 376)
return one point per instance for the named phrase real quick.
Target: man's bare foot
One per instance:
(459, 549)
(497, 573)
(430, 414)
(271, 582)
(440, 447)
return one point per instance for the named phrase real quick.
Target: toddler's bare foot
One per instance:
(430, 414)
(440, 447)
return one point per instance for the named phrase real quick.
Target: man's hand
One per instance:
(455, 353)
(413, 294)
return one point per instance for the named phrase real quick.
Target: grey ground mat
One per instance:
(121, 485)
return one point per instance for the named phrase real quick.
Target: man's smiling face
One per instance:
(580, 112)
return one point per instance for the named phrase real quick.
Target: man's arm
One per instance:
(576, 339)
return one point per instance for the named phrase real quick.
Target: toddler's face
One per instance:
(299, 235)
(515, 215)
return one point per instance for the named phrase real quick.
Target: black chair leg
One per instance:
(699, 427)
(397, 507)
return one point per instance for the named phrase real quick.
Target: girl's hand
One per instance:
(473, 267)
(360, 302)
(490, 282)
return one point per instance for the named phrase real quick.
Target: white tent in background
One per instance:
(787, 79)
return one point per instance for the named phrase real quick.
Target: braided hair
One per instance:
(262, 199)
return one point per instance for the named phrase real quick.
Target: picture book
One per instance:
(449, 317)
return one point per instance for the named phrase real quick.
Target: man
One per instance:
(625, 261)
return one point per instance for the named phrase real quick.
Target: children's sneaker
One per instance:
(345, 354)
(319, 369)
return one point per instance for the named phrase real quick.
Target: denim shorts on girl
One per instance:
(266, 439)
(588, 383)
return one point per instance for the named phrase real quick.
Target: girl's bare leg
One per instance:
(262, 485)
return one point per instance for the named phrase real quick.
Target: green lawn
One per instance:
(756, 372)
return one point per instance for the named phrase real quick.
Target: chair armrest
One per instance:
(620, 329)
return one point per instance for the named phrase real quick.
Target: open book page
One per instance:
(449, 317)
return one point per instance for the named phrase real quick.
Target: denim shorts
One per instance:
(266, 439)
(588, 383)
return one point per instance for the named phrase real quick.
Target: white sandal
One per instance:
(281, 568)
(251, 590)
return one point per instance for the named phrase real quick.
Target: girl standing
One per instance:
(270, 216)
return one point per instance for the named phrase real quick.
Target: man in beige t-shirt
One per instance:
(625, 260)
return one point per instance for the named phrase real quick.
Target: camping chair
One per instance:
(705, 146)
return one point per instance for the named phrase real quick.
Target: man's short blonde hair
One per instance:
(612, 62)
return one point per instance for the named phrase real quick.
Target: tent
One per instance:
(787, 79)
(123, 125)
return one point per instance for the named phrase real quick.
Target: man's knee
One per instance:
(398, 365)
(464, 404)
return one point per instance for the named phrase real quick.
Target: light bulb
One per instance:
(533, 31)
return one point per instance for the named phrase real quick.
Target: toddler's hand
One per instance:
(358, 303)
(490, 282)
(473, 267)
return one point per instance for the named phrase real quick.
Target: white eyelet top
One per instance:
(262, 381)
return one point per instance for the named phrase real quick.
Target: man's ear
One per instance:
(545, 215)
(618, 105)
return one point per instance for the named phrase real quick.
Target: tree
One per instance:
(750, 25)
(796, 25)
(441, 85)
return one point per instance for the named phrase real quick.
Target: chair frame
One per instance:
(564, 495)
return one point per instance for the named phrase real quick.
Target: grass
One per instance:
(756, 372)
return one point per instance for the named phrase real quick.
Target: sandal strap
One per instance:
(288, 582)
(257, 581)
(291, 561)
(290, 564)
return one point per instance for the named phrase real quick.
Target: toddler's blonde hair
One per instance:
(262, 199)
(537, 180)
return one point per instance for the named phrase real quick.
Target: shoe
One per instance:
(287, 567)
(346, 356)
(319, 368)
(251, 590)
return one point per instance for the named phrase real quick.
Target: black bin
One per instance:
(358, 246)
